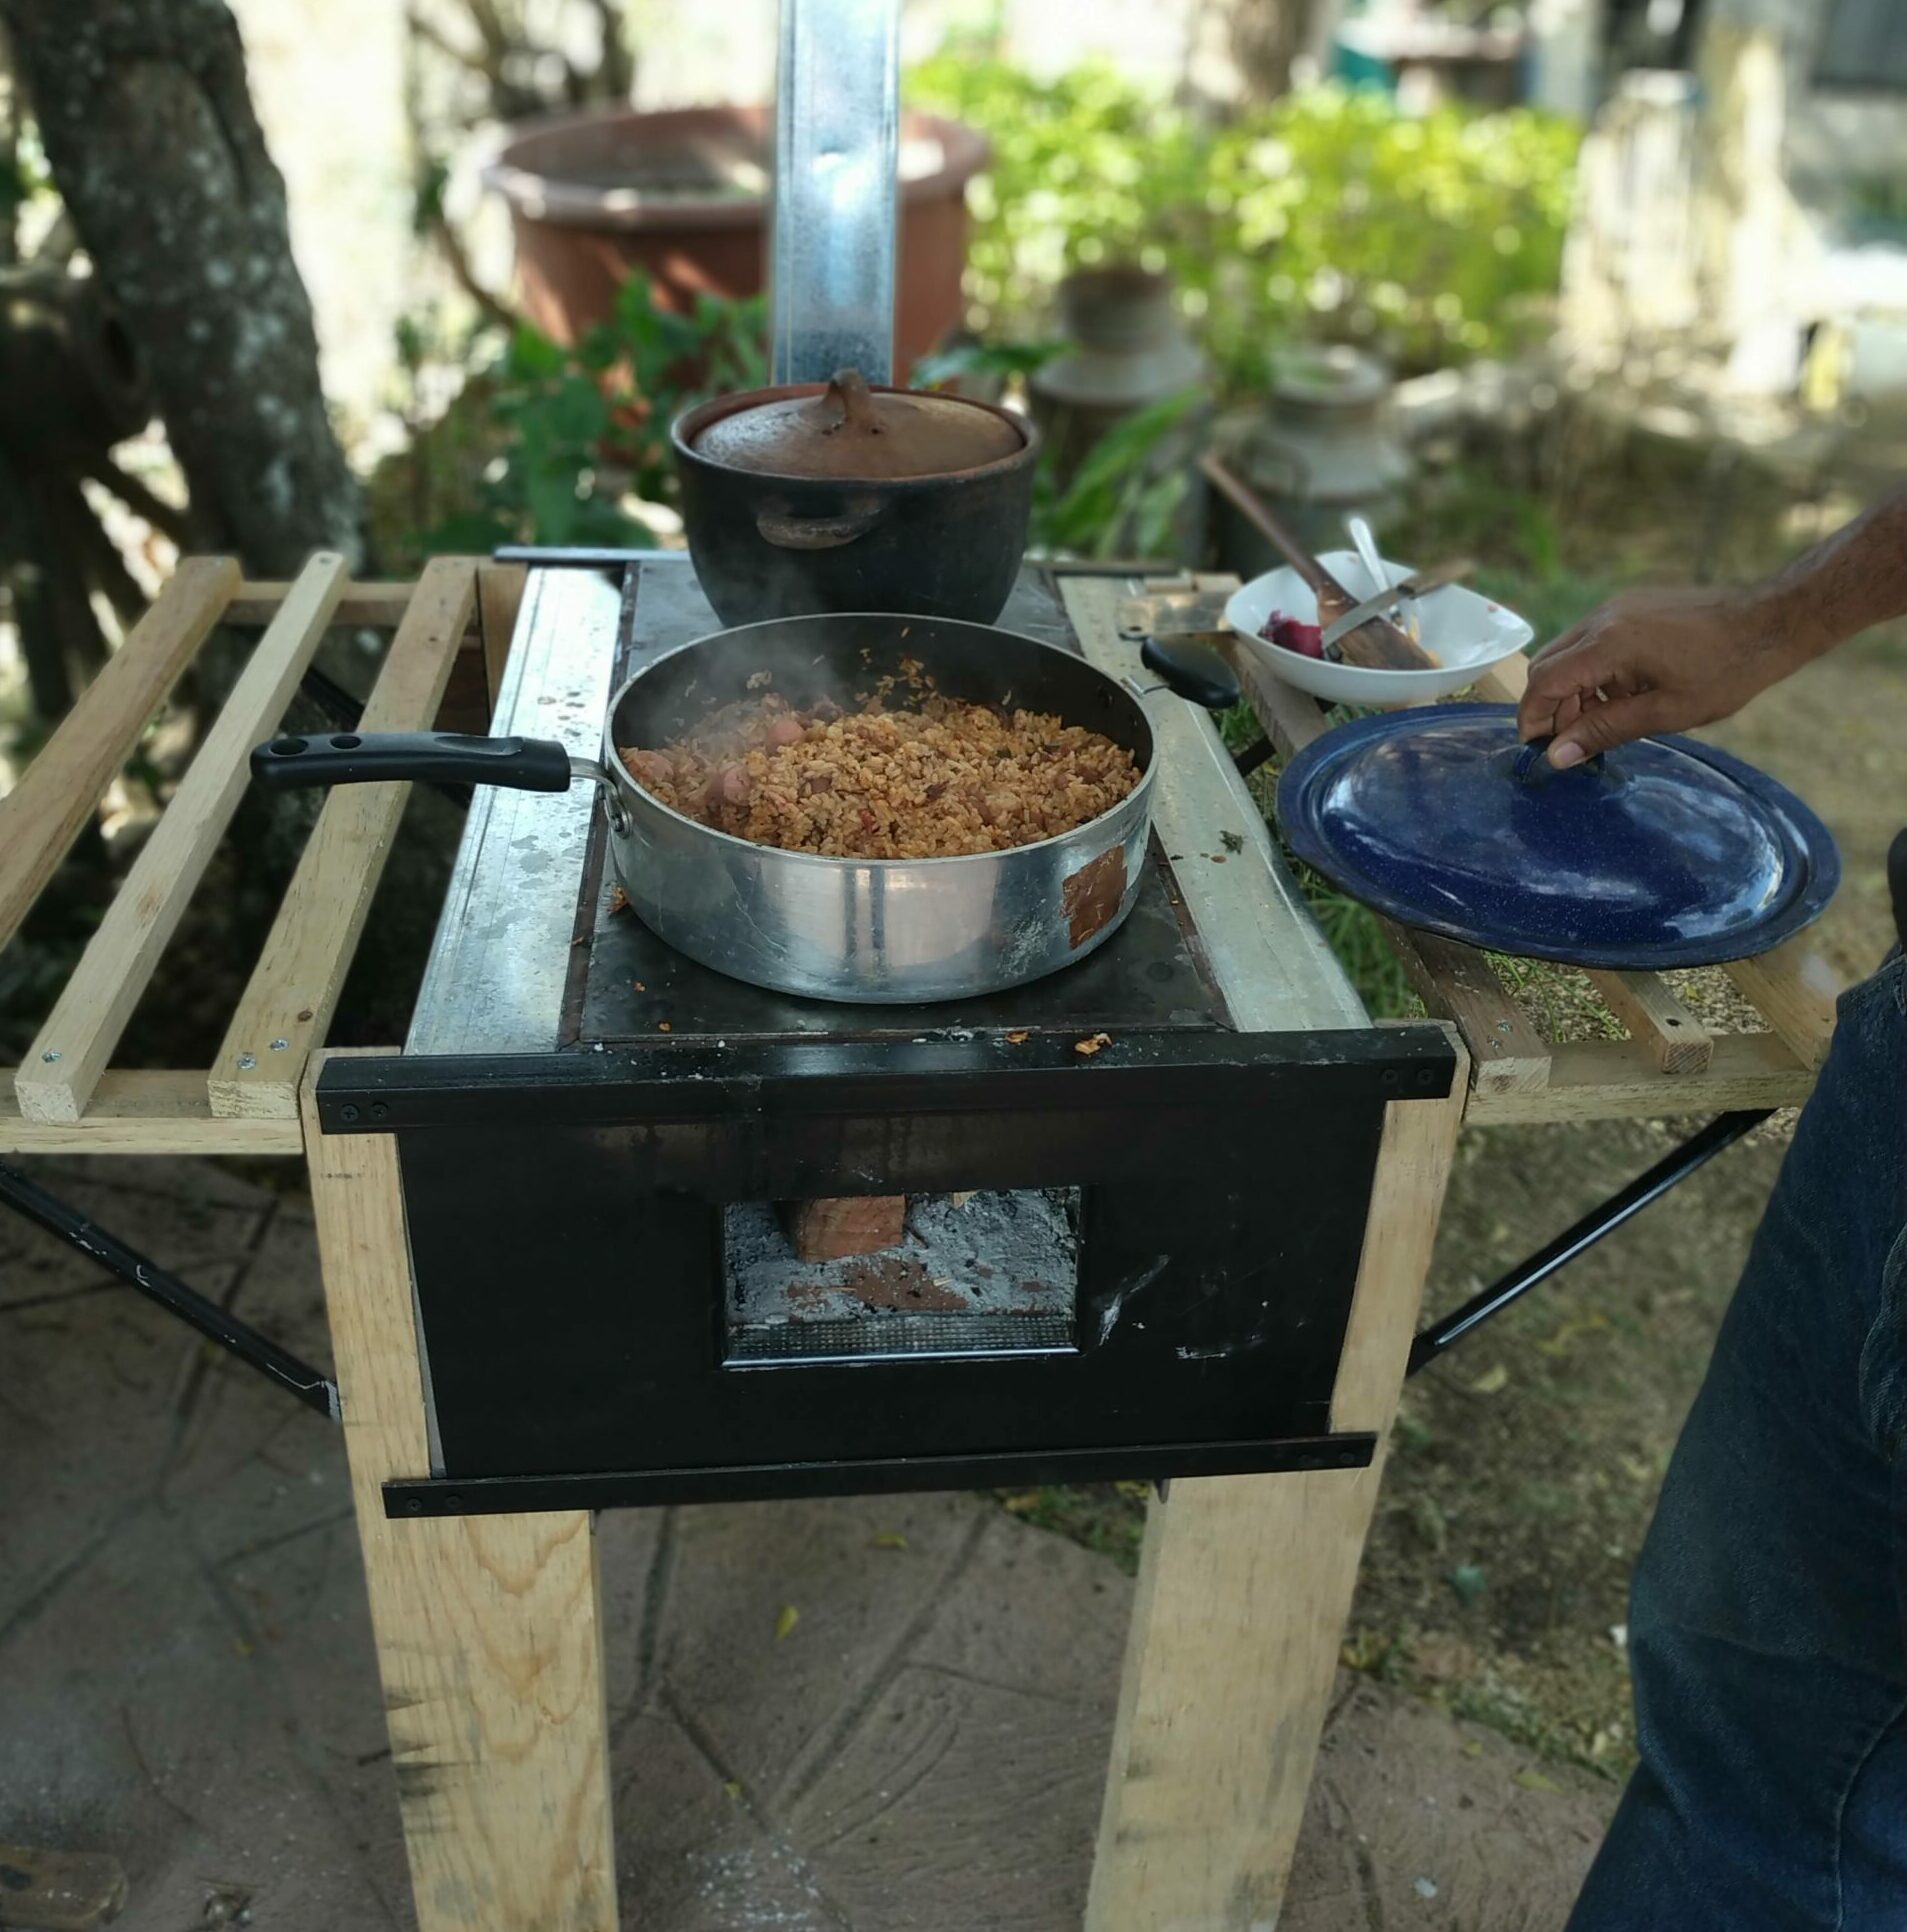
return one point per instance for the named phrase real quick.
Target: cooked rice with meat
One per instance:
(936, 779)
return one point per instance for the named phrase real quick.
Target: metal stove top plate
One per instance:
(626, 984)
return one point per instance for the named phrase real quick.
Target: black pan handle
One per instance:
(356, 758)
(1198, 673)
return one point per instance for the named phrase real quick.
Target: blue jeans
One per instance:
(1768, 1621)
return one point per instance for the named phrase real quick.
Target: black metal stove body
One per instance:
(568, 1220)
(1134, 1224)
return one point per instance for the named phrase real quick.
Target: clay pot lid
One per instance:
(852, 431)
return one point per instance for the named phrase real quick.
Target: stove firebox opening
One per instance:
(988, 1273)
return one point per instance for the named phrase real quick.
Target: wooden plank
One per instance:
(134, 1111)
(1244, 1586)
(288, 1002)
(1644, 1004)
(42, 816)
(1291, 717)
(58, 1891)
(1620, 1080)
(466, 702)
(1457, 983)
(500, 590)
(375, 606)
(65, 1062)
(1794, 989)
(1250, 915)
(487, 1627)
(1505, 681)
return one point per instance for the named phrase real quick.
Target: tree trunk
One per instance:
(147, 121)
(1265, 37)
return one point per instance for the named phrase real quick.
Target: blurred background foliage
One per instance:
(1326, 215)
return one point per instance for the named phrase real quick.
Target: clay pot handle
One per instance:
(848, 392)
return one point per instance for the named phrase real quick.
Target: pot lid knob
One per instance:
(847, 403)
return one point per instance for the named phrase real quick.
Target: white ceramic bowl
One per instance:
(1467, 632)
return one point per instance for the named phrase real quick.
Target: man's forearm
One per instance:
(1855, 578)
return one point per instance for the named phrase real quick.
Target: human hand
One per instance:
(1653, 661)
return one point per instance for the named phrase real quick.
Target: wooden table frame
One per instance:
(488, 1628)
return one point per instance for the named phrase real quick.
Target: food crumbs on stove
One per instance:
(618, 901)
(662, 1026)
(1217, 858)
(1097, 1044)
(1018, 1039)
(640, 988)
(1234, 841)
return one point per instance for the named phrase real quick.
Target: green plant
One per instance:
(1121, 498)
(1125, 493)
(578, 433)
(1329, 213)
(1002, 360)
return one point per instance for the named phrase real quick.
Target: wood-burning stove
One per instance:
(1133, 1233)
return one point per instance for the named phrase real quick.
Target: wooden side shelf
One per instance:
(1669, 1063)
(66, 1094)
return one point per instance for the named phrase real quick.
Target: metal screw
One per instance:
(413, 1506)
(246, 1062)
(347, 1114)
(279, 1046)
(378, 1110)
(50, 1055)
(453, 1502)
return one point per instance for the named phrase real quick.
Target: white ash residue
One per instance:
(990, 1253)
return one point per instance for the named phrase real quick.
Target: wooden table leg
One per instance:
(488, 1628)
(1244, 1586)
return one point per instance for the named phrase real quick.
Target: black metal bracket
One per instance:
(731, 1483)
(1252, 755)
(1581, 1236)
(277, 1365)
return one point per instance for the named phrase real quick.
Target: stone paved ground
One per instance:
(186, 1676)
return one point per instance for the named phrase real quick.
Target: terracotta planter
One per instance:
(683, 196)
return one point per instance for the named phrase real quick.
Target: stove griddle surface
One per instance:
(1145, 976)
(626, 984)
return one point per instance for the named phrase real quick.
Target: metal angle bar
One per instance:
(785, 1080)
(1674, 1168)
(297, 1378)
(748, 1482)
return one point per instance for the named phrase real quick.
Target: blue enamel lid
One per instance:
(1665, 853)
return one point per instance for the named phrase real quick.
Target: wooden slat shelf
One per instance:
(1670, 1062)
(65, 1096)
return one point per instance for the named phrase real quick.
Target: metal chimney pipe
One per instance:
(836, 192)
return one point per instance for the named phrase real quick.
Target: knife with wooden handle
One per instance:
(1374, 642)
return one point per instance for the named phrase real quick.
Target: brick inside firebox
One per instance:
(993, 1254)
